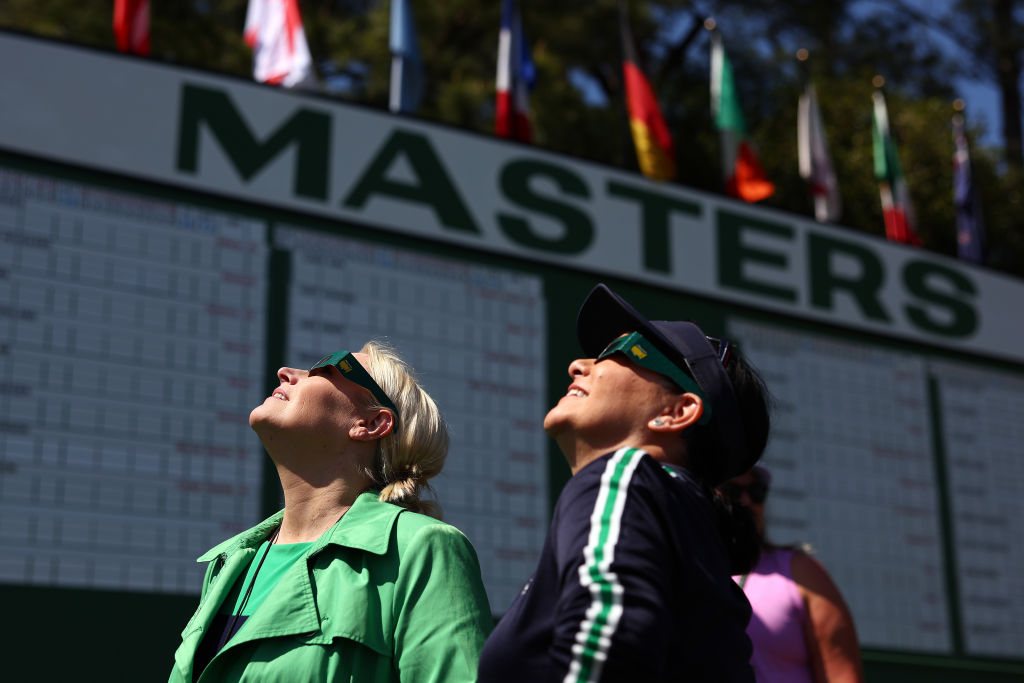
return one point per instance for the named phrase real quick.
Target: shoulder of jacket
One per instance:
(625, 472)
(413, 526)
(618, 469)
(249, 538)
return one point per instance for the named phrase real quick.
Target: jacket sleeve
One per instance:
(442, 616)
(614, 609)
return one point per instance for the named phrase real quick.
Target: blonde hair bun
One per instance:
(416, 449)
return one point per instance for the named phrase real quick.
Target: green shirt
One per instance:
(263, 577)
(384, 595)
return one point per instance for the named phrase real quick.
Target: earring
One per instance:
(657, 421)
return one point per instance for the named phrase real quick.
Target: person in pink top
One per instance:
(801, 628)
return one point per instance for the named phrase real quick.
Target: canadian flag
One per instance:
(131, 26)
(273, 29)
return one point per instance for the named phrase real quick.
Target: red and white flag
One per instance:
(273, 29)
(815, 162)
(516, 75)
(131, 26)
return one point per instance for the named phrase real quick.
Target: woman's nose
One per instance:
(580, 366)
(288, 375)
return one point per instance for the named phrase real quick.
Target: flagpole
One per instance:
(395, 100)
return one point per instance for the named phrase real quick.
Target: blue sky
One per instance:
(982, 97)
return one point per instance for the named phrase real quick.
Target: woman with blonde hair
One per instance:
(355, 579)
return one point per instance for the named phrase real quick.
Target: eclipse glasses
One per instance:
(353, 371)
(635, 347)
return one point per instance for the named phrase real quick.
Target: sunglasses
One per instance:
(757, 491)
(351, 370)
(723, 348)
(639, 350)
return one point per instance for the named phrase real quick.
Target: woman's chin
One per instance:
(260, 414)
(555, 422)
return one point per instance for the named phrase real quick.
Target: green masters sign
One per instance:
(366, 167)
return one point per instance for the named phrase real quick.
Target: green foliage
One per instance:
(573, 41)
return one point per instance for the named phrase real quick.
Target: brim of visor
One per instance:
(605, 315)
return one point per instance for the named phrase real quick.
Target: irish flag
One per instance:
(897, 208)
(655, 152)
(744, 177)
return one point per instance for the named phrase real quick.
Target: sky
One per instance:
(981, 97)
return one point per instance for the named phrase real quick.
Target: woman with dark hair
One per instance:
(801, 628)
(350, 582)
(634, 580)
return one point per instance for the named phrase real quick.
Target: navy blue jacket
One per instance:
(633, 584)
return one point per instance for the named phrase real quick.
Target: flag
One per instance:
(273, 29)
(406, 65)
(815, 162)
(654, 149)
(744, 177)
(516, 76)
(131, 26)
(970, 229)
(897, 208)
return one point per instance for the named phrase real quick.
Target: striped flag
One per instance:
(406, 65)
(516, 77)
(970, 228)
(815, 162)
(655, 151)
(273, 29)
(131, 26)
(744, 177)
(897, 208)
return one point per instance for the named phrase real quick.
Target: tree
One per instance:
(991, 34)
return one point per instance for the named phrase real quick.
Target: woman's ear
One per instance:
(682, 414)
(377, 427)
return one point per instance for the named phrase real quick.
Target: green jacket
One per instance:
(384, 595)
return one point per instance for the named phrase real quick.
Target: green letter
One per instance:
(433, 186)
(308, 129)
(863, 287)
(655, 210)
(515, 184)
(962, 319)
(733, 254)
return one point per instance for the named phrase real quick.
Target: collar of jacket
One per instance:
(366, 526)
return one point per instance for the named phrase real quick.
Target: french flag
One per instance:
(516, 76)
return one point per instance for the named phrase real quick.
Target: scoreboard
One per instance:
(162, 256)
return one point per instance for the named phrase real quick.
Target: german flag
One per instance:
(654, 149)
